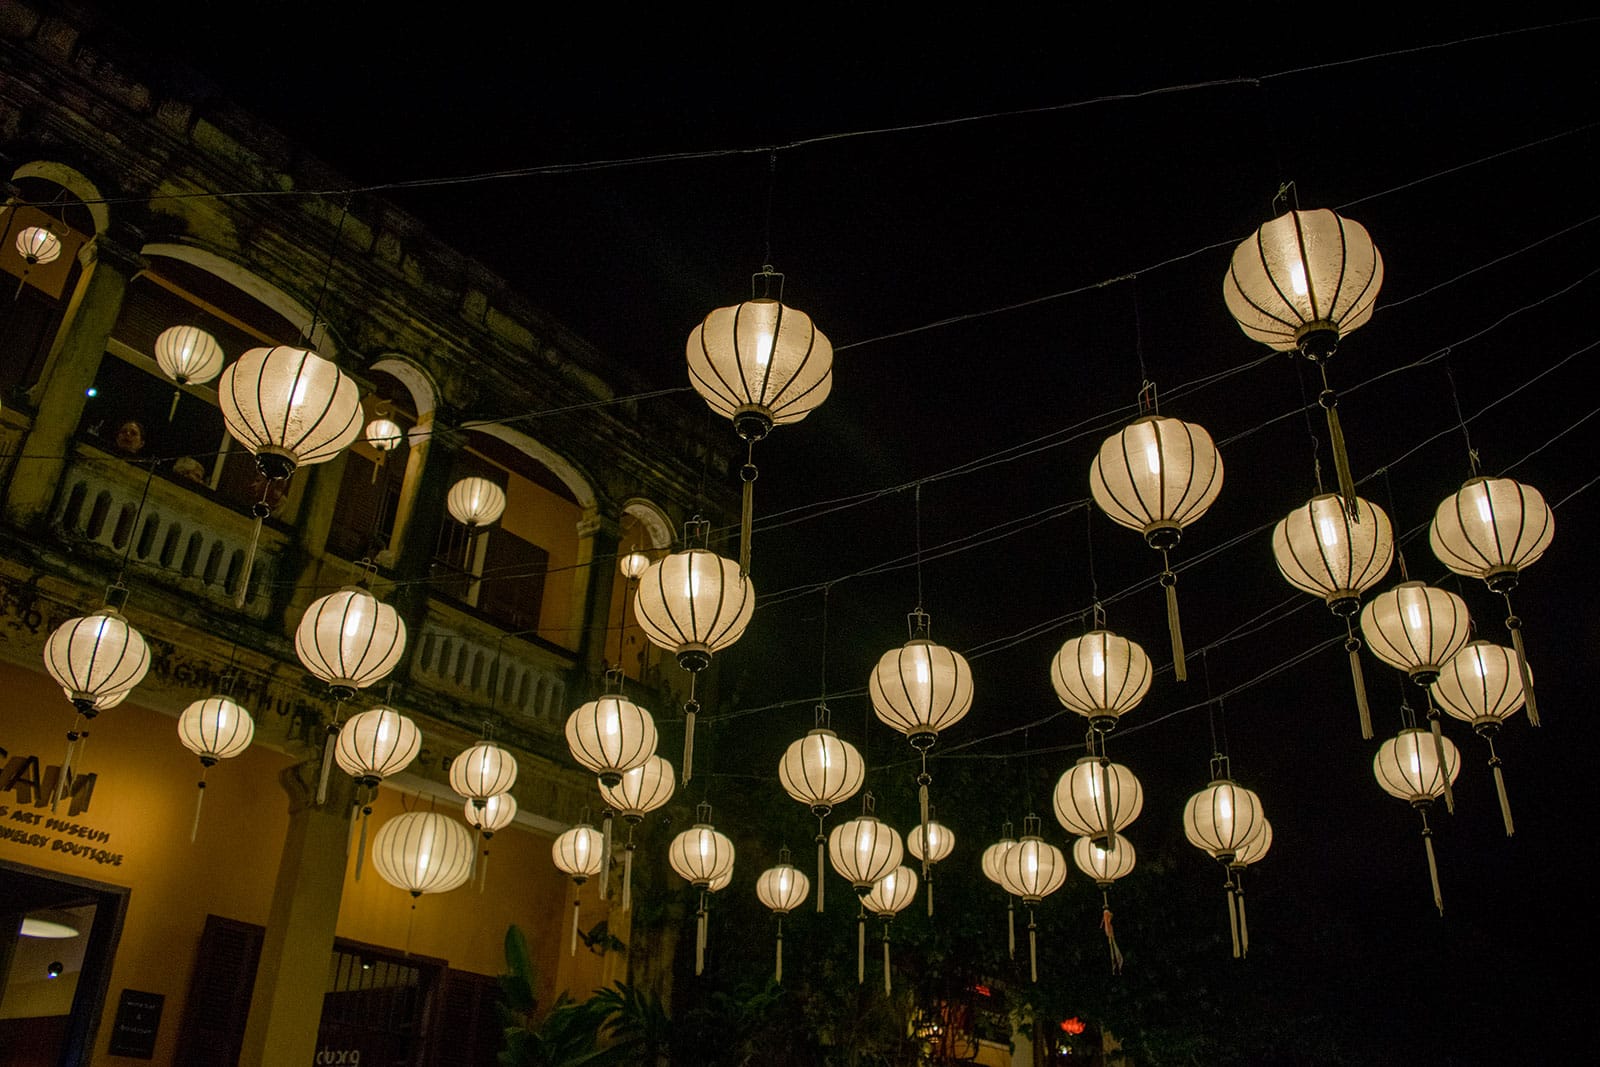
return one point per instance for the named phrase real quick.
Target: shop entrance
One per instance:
(58, 936)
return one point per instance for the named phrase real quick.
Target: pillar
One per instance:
(73, 364)
(286, 1006)
(599, 534)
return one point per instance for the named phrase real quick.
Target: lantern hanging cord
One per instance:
(327, 275)
(772, 183)
(1088, 544)
(1138, 332)
(918, 505)
(133, 530)
(1461, 420)
(1311, 432)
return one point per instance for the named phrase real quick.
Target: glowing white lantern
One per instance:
(376, 743)
(188, 355)
(483, 770)
(384, 435)
(1102, 864)
(941, 841)
(633, 564)
(1101, 676)
(95, 656)
(289, 407)
(1096, 798)
(639, 792)
(1419, 770)
(423, 852)
(496, 813)
(350, 639)
(215, 728)
(37, 246)
(1491, 529)
(1415, 628)
(821, 770)
(760, 364)
(782, 889)
(475, 502)
(701, 855)
(1157, 476)
(610, 736)
(891, 894)
(864, 849)
(1032, 869)
(1222, 819)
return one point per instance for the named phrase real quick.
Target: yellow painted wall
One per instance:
(144, 798)
(540, 517)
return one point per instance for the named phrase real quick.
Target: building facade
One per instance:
(261, 940)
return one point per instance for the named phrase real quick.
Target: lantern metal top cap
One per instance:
(1032, 825)
(761, 284)
(920, 625)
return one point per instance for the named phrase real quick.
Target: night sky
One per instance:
(1041, 221)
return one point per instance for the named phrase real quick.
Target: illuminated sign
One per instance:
(29, 823)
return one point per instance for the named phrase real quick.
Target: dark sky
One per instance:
(1470, 164)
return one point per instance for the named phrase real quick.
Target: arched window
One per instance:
(133, 401)
(644, 528)
(369, 495)
(32, 310)
(521, 571)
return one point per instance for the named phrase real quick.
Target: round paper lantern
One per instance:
(760, 364)
(1252, 850)
(188, 355)
(1491, 529)
(701, 854)
(1408, 766)
(864, 850)
(783, 888)
(481, 771)
(641, 790)
(289, 406)
(1033, 869)
(1322, 550)
(423, 852)
(921, 688)
(1302, 281)
(1480, 685)
(610, 736)
(821, 770)
(994, 856)
(37, 245)
(941, 839)
(476, 502)
(1101, 676)
(1104, 865)
(384, 434)
(95, 656)
(1222, 818)
(694, 603)
(494, 815)
(350, 639)
(633, 564)
(1416, 628)
(1095, 798)
(578, 852)
(215, 728)
(1157, 476)
(892, 893)
(376, 743)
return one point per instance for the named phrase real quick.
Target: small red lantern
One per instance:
(1073, 1026)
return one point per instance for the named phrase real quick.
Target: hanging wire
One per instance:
(1461, 420)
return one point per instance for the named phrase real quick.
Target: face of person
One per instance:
(130, 437)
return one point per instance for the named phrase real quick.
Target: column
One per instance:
(73, 364)
(599, 534)
(286, 1007)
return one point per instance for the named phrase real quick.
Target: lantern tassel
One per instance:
(1353, 646)
(1444, 767)
(1433, 866)
(689, 710)
(1514, 624)
(576, 903)
(1111, 937)
(1233, 921)
(1105, 814)
(249, 561)
(700, 938)
(1500, 788)
(861, 948)
(821, 869)
(888, 990)
(410, 922)
(1033, 948)
(173, 410)
(746, 516)
(1244, 926)
(66, 768)
(483, 872)
(199, 798)
(361, 847)
(627, 877)
(930, 896)
(1341, 456)
(1011, 928)
(777, 974)
(922, 800)
(327, 764)
(605, 856)
(1170, 581)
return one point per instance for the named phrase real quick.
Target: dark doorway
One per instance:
(58, 935)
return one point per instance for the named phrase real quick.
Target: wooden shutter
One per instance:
(218, 1004)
